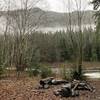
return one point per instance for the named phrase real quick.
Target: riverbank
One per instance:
(67, 64)
(24, 89)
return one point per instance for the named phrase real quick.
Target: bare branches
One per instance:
(96, 4)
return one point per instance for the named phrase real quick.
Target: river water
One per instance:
(88, 73)
(50, 29)
(93, 75)
(64, 28)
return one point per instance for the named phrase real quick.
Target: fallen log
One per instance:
(72, 88)
(66, 91)
(47, 81)
(51, 81)
(59, 82)
(82, 85)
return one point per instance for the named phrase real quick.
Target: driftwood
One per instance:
(51, 81)
(68, 89)
(72, 88)
(82, 85)
(59, 82)
(46, 82)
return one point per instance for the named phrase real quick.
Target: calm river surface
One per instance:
(93, 74)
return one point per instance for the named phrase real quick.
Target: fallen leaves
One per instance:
(24, 89)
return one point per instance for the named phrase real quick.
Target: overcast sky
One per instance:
(59, 5)
(63, 5)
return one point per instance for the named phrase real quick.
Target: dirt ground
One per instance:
(25, 89)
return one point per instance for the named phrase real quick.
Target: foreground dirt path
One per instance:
(24, 89)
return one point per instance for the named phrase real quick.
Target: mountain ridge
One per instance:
(57, 19)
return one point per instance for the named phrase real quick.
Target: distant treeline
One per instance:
(47, 47)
